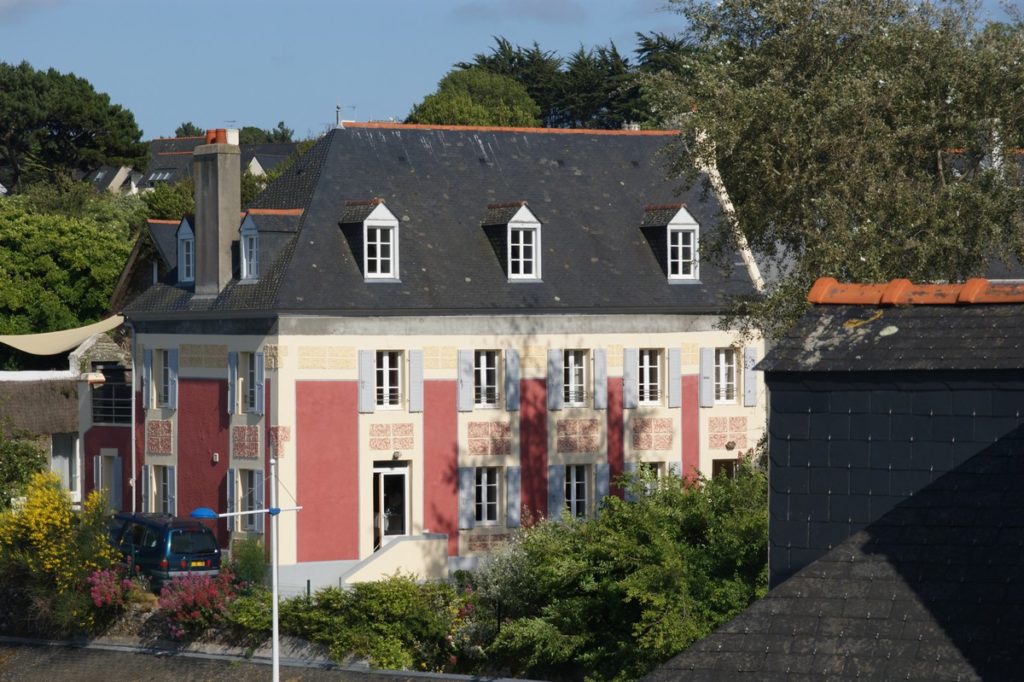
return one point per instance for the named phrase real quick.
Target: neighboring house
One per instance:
(115, 179)
(170, 159)
(440, 333)
(896, 514)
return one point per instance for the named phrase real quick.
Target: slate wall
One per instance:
(844, 448)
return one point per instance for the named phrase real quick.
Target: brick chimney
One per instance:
(217, 177)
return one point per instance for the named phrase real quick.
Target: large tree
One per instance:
(477, 97)
(860, 140)
(52, 124)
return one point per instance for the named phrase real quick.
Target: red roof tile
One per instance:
(498, 129)
(903, 292)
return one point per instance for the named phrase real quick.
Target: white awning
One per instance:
(51, 343)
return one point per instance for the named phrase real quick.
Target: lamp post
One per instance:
(273, 510)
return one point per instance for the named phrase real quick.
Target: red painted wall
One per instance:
(691, 426)
(615, 433)
(440, 461)
(203, 429)
(118, 437)
(327, 449)
(533, 445)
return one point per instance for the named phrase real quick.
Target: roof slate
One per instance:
(933, 590)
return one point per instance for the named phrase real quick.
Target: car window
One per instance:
(192, 542)
(134, 535)
(151, 538)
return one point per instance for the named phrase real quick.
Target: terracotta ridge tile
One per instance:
(664, 207)
(376, 201)
(508, 204)
(273, 211)
(163, 221)
(501, 129)
(828, 291)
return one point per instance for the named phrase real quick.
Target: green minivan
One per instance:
(163, 547)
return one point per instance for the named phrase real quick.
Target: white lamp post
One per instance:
(273, 510)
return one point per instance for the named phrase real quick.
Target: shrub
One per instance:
(248, 561)
(250, 616)
(195, 602)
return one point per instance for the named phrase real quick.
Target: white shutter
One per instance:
(675, 389)
(556, 491)
(261, 395)
(556, 379)
(630, 378)
(511, 380)
(600, 379)
(513, 496)
(415, 381)
(232, 382)
(367, 381)
(258, 483)
(146, 485)
(749, 377)
(147, 377)
(172, 392)
(467, 497)
(707, 377)
(172, 496)
(464, 398)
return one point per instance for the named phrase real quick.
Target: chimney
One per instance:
(217, 177)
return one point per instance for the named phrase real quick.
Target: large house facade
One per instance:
(441, 334)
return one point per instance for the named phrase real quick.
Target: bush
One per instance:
(250, 616)
(248, 561)
(195, 602)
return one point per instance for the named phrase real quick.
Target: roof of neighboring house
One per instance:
(174, 154)
(39, 407)
(588, 189)
(163, 233)
(902, 326)
(933, 590)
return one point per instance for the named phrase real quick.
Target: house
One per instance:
(170, 158)
(115, 179)
(440, 333)
(896, 519)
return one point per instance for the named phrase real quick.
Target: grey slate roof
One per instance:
(175, 155)
(656, 216)
(588, 192)
(836, 338)
(933, 590)
(164, 237)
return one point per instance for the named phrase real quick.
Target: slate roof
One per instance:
(936, 329)
(588, 190)
(175, 155)
(933, 590)
(163, 233)
(656, 216)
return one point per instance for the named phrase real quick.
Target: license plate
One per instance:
(198, 563)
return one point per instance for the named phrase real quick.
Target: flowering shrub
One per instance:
(195, 602)
(109, 588)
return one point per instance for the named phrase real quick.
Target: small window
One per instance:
(250, 255)
(649, 384)
(485, 378)
(682, 250)
(487, 491)
(576, 490)
(163, 373)
(574, 384)
(249, 499)
(389, 378)
(723, 468)
(522, 253)
(380, 252)
(725, 375)
(164, 489)
(186, 253)
(250, 383)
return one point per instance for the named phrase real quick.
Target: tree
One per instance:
(477, 97)
(20, 458)
(254, 135)
(53, 124)
(857, 140)
(281, 133)
(537, 70)
(170, 201)
(189, 129)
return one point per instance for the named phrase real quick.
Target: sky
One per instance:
(232, 63)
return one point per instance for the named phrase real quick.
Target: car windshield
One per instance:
(192, 542)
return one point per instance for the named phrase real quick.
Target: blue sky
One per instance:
(229, 63)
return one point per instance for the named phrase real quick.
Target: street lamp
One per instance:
(273, 510)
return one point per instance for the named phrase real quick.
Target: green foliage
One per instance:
(857, 140)
(254, 135)
(189, 129)
(170, 201)
(250, 616)
(611, 597)
(20, 459)
(248, 561)
(52, 124)
(477, 97)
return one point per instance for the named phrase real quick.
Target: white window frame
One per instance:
(162, 487)
(725, 376)
(575, 371)
(161, 358)
(382, 221)
(388, 375)
(649, 372)
(247, 497)
(682, 257)
(248, 380)
(487, 496)
(249, 248)
(518, 261)
(486, 378)
(186, 253)
(577, 490)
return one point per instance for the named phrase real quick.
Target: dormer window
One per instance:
(186, 253)
(673, 235)
(249, 246)
(372, 231)
(514, 233)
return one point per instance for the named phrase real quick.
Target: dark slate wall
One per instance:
(845, 448)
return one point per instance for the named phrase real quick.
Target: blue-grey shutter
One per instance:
(675, 389)
(258, 483)
(601, 482)
(147, 377)
(556, 379)
(511, 380)
(464, 398)
(171, 490)
(629, 470)
(556, 491)
(117, 493)
(367, 381)
(707, 377)
(513, 496)
(145, 488)
(749, 377)
(675, 469)
(630, 378)
(600, 379)
(261, 395)
(467, 497)
(232, 381)
(415, 381)
(172, 391)
(231, 495)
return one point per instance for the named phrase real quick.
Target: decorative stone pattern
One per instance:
(158, 437)
(490, 438)
(203, 355)
(327, 357)
(725, 430)
(485, 542)
(578, 435)
(652, 433)
(279, 435)
(392, 436)
(245, 442)
(274, 355)
(440, 357)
